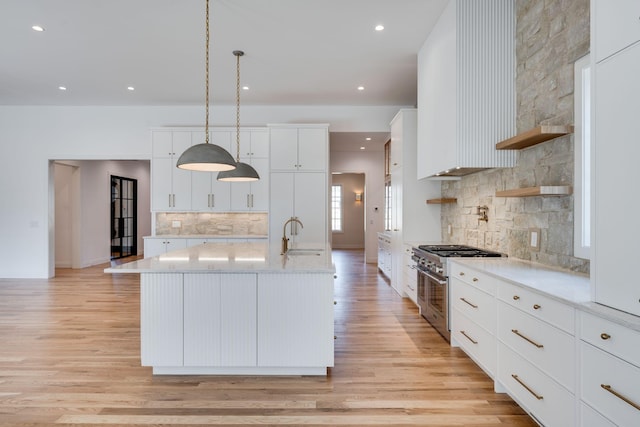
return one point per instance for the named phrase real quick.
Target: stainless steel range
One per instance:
(433, 280)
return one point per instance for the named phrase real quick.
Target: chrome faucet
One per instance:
(285, 240)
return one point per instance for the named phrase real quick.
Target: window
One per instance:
(582, 149)
(336, 208)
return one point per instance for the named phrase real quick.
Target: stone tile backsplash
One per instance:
(551, 36)
(216, 224)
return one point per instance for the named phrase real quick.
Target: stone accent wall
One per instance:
(551, 36)
(213, 224)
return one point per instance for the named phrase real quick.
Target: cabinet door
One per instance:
(245, 144)
(260, 189)
(311, 207)
(202, 326)
(201, 191)
(181, 186)
(175, 244)
(161, 184)
(615, 153)
(161, 319)
(161, 144)
(312, 149)
(616, 26)
(281, 204)
(259, 144)
(180, 141)
(284, 148)
(238, 319)
(295, 320)
(154, 247)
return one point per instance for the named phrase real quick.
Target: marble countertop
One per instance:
(250, 257)
(562, 285)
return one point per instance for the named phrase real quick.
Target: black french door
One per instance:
(124, 217)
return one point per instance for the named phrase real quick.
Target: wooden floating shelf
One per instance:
(534, 136)
(441, 201)
(543, 190)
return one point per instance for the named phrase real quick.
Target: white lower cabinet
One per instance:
(476, 341)
(592, 418)
(154, 246)
(409, 275)
(610, 370)
(220, 324)
(545, 400)
(548, 348)
(161, 319)
(295, 320)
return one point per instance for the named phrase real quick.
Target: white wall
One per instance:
(32, 136)
(353, 229)
(372, 165)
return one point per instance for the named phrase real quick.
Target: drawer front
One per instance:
(478, 306)
(473, 277)
(475, 341)
(545, 399)
(592, 418)
(600, 369)
(540, 306)
(611, 337)
(617, 25)
(546, 347)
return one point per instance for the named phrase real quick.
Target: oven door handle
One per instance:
(439, 281)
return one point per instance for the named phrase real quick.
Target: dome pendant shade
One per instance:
(206, 157)
(242, 173)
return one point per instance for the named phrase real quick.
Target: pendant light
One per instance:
(206, 157)
(243, 172)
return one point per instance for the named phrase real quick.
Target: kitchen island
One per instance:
(236, 309)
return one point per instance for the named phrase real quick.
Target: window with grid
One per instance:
(336, 208)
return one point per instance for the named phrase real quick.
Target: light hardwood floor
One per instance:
(69, 355)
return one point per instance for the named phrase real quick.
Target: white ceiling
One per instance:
(297, 52)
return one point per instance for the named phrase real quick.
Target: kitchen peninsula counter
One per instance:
(236, 309)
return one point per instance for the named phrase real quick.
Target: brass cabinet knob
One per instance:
(335, 303)
(475, 279)
(462, 273)
(516, 297)
(536, 306)
(605, 336)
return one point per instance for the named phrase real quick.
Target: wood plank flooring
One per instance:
(70, 356)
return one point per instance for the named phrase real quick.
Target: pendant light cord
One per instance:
(238, 54)
(206, 123)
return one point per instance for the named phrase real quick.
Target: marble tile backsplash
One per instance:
(215, 224)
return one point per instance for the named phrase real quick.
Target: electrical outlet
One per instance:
(449, 229)
(534, 239)
(176, 224)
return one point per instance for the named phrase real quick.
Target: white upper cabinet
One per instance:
(253, 143)
(466, 89)
(254, 195)
(207, 193)
(171, 187)
(299, 148)
(616, 26)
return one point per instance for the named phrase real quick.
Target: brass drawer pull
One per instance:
(468, 337)
(536, 306)
(515, 331)
(462, 273)
(475, 279)
(516, 297)
(536, 395)
(472, 305)
(605, 336)
(619, 396)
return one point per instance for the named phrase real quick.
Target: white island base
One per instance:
(269, 316)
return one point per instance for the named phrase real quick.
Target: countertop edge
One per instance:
(585, 304)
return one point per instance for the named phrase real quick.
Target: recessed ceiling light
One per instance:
(245, 87)
(368, 139)
(360, 87)
(37, 28)
(362, 148)
(379, 27)
(131, 88)
(62, 88)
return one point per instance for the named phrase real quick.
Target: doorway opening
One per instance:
(124, 217)
(347, 211)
